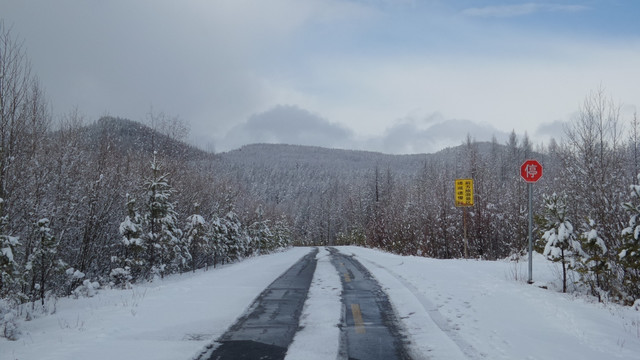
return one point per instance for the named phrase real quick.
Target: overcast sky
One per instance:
(398, 76)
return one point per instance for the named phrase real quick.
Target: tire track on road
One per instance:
(370, 328)
(269, 325)
(432, 310)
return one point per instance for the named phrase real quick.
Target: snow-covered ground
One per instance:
(466, 309)
(451, 309)
(169, 319)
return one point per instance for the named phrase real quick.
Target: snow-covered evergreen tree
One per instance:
(218, 252)
(197, 239)
(282, 233)
(592, 265)
(262, 239)
(236, 239)
(629, 253)
(132, 262)
(8, 266)
(561, 244)
(44, 262)
(164, 246)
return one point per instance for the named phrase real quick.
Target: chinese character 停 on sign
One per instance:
(531, 171)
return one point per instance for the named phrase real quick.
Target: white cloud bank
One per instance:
(294, 125)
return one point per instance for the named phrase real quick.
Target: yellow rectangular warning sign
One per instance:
(464, 192)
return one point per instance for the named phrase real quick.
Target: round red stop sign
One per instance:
(531, 171)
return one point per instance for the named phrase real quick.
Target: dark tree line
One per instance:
(588, 220)
(109, 203)
(406, 204)
(81, 201)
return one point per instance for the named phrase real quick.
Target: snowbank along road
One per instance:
(436, 309)
(368, 326)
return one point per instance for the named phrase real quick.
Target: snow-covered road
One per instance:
(449, 309)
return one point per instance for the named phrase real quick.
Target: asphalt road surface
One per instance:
(267, 328)
(369, 330)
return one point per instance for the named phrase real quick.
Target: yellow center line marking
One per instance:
(357, 319)
(347, 278)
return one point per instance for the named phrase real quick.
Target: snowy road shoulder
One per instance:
(169, 319)
(498, 317)
(430, 335)
(450, 309)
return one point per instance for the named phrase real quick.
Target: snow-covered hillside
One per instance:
(451, 309)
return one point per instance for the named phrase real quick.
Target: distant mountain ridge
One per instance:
(263, 165)
(128, 135)
(135, 136)
(349, 163)
(286, 175)
(324, 192)
(301, 155)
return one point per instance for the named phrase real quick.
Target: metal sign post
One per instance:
(464, 199)
(530, 186)
(531, 172)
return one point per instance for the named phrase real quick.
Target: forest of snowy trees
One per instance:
(107, 203)
(585, 205)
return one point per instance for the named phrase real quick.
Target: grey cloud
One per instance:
(200, 60)
(408, 138)
(294, 125)
(553, 129)
(288, 125)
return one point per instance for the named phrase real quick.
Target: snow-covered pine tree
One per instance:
(561, 244)
(8, 266)
(592, 265)
(236, 238)
(218, 242)
(262, 239)
(163, 238)
(282, 233)
(44, 262)
(197, 239)
(132, 262)
(629, 253)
